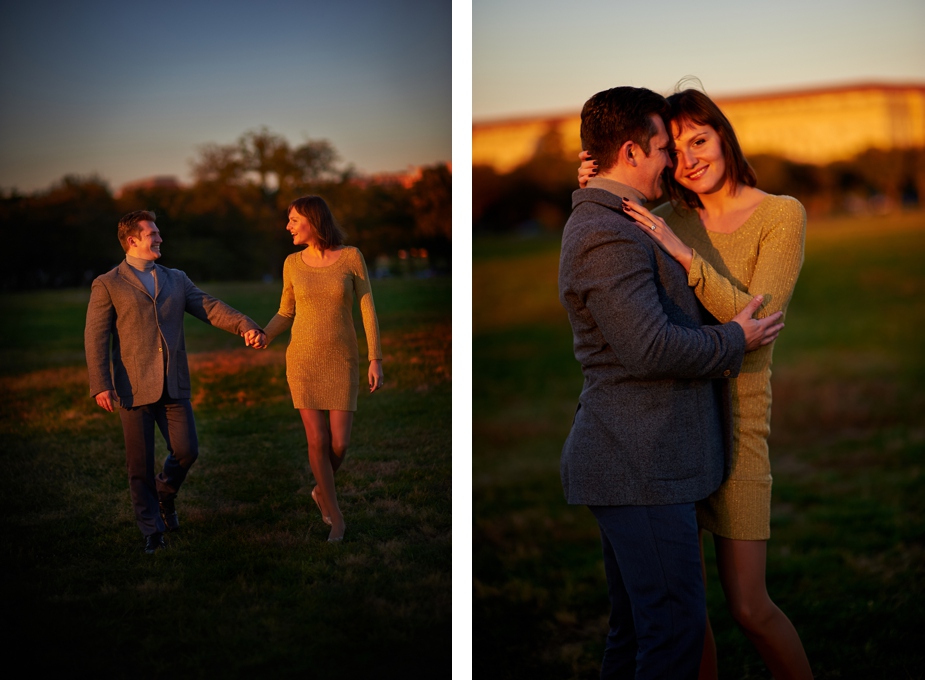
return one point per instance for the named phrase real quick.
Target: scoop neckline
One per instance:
(748, 219)
(327, 266)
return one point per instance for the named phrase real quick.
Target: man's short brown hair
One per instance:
(616, 116)
(128, 225)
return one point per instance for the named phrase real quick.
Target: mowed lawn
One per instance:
(249, 587)
(846, 560)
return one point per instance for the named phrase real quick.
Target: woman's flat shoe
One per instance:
(324, 518)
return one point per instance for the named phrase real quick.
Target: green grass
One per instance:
(248, 587)
(846, 560)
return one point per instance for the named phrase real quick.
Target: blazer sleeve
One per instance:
(779, 260)
(215, 312)
(97, 335)
(364, 293)
(621, 295)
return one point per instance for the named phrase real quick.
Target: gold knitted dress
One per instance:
(322, 360)
(762, 257)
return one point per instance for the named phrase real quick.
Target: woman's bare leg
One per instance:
(318, 435)
(341, 425)
(709, 669)
(742, 573)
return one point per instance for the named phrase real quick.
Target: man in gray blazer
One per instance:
(136, 356)
(648, 436)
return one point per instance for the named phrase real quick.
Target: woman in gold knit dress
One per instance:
(736, 242)
(320, 284)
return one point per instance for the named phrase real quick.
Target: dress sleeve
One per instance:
(282, 320)
(778, 263)
(364, 294)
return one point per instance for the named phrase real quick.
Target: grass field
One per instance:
(846, 560)
(248, 587)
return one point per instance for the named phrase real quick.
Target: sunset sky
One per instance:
(549, 56)
(128, 90)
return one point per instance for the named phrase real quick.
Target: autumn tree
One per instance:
(432, 200)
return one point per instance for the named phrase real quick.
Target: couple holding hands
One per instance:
(136, 355)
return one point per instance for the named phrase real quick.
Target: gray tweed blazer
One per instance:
(147, 334)
(649, 428)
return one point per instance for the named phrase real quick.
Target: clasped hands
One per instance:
(255, 338)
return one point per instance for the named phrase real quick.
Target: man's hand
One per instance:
(256, 339)
(105, 399)
(758, 332)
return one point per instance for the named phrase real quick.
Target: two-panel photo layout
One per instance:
(637, 396)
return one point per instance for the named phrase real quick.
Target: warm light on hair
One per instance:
(129, 225)
(613, 117)
(327, 232)
(693, 106)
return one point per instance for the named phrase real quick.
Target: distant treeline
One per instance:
(230, 224)
(536, 196)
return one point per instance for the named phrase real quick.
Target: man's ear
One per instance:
(628, 152)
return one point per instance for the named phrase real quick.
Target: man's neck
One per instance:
(139, 263)
(615, 186)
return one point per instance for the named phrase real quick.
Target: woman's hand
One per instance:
(659, 230)
(376, 379)
(256, 339)
(587, 170)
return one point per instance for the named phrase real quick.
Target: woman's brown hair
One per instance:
(316, 211)
(693, 106)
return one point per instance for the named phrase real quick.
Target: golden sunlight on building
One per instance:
(810, 126)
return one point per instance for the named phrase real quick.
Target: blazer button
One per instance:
(727, 373)
(161, 349)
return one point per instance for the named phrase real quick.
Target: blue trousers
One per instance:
(174, 418)
(657, 599)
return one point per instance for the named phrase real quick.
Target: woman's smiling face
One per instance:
(700, 164)
(301, 229)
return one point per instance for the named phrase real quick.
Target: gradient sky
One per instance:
(550, 56)
(128, 90)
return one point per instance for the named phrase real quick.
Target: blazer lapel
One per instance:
(125, 271)
(159, 280)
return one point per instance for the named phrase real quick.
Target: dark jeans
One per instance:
(658, 605)
(174, 418)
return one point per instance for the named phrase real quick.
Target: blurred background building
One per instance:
(815, 126)
(850, 148)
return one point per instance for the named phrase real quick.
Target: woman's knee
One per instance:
(341, 425)
(339, 445)
(754, 614)
(319, 441)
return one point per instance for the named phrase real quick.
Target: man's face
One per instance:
(147, 245)
(649, 168)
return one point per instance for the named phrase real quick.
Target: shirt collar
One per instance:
(139, 264)
(615, 187)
